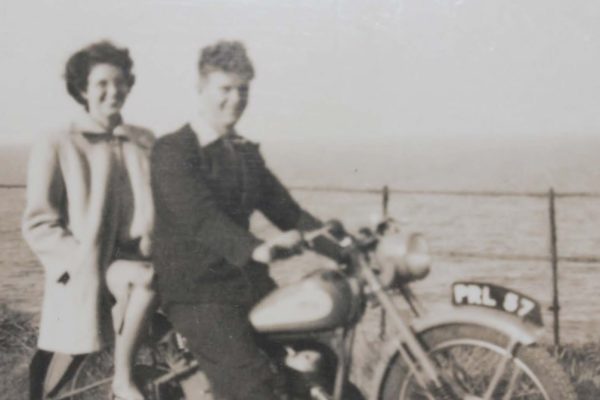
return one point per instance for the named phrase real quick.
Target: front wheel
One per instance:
(475, 362)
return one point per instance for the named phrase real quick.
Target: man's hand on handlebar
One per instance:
(331, 240)
(283, 246)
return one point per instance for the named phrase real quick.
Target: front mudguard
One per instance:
(506, 324)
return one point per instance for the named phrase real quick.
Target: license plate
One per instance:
(497, 297)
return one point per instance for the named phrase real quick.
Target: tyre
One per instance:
(467, 357)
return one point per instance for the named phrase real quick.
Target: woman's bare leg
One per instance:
(131, 284)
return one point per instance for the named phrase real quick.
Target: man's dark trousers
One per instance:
(223, 342)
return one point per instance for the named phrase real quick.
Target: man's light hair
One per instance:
(226, 56)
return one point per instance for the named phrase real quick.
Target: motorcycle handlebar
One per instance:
(331, 240)
(334, 230)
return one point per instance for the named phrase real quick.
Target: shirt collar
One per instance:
(205, 133)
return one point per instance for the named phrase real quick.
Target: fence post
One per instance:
(385, 198)
(555, 308)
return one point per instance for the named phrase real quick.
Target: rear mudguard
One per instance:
(506, 324)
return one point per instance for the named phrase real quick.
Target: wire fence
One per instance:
(553, 258)
(471, 193)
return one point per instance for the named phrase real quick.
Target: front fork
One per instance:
(409, 347)
(421, 365)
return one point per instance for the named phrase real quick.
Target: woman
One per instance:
(89, 211)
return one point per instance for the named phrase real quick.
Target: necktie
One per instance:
(238, 167)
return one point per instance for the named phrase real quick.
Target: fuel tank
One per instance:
(322, 300)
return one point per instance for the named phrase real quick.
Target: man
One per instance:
(206, 182)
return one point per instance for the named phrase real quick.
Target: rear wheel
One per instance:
(89, 377)
(469, 357)
(92, 378)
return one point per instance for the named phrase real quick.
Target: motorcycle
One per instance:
(484, 348)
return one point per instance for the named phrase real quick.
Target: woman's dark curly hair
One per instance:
(226, 56)
(80, 64)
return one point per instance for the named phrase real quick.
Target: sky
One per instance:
(339, 69)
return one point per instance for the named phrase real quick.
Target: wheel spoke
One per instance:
(467, 368)
(500, 370)
(479, 372)
(476, 362)
(92, 379)
(511, 383)
(83, 389)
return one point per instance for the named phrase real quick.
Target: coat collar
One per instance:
(84, 123)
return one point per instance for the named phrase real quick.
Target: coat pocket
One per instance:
(64, 278)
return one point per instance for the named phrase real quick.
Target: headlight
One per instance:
(402, 257)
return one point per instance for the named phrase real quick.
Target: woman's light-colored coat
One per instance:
(70, 226)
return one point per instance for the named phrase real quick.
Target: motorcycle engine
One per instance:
(304, 361)
(309, 373)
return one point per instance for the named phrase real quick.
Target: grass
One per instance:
(582, 363)
(17, 343)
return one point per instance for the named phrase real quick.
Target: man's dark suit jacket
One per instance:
(204, 198)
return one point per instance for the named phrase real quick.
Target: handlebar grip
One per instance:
(336, 229)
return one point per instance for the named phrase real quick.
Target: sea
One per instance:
(471, 194)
